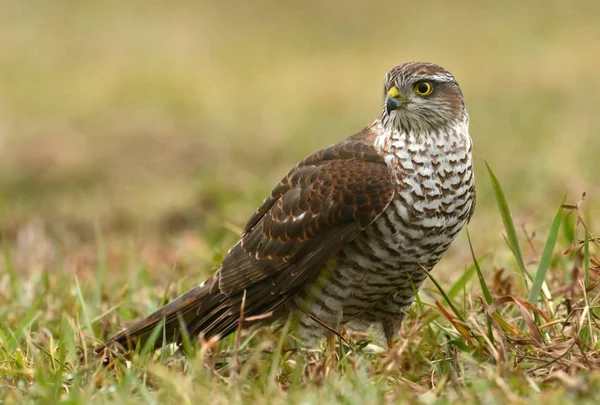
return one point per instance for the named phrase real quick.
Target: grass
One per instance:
(136, 139)
(485, 342)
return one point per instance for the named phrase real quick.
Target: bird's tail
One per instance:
(202, 309)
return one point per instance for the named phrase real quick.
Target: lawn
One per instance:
(136, 138)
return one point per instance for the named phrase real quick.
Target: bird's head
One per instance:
(421, 96)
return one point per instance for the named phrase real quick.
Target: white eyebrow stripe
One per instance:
(442, 78)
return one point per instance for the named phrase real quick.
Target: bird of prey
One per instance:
(345, 236)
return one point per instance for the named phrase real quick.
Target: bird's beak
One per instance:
(392, 103)
(394, 100)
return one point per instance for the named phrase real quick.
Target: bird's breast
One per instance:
(434, 199)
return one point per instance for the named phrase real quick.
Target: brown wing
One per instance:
(321, 205)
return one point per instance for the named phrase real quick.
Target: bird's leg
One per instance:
(390, 331)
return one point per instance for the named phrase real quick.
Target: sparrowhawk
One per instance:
(345, 235)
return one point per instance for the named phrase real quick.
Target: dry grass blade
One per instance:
(460, 326)
(330, 329)
(549, 363)
(586, 257)
(235, 363)
(526, 316)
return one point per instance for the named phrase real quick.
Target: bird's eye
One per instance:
(423, 88)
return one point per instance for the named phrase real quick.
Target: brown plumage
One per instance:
(357, 219)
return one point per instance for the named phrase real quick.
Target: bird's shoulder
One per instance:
(324, 202)
(350, 165)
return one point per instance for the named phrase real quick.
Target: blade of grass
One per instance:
(460, 327)
(460, 284)
(484, 288)
(13, 277)
(272, 375)
(100, 266)
(569, 227)
(186, 341)
(84, 308)
(509, 225)
(32, 315)
(441, 290)
(586, 256)
(67, 341)
(542, 269)
(150, 343)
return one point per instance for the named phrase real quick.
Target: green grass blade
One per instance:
(150, 343)
(461, 284)
(509, 225)
(13, 276)
(568, 228)
(484, 288)
(272, 375)
(540, 275)
(21, 331)
(186, 340)
(100, 266)
(84, 308)
(446, 297)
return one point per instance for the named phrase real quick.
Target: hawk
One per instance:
(345, 235)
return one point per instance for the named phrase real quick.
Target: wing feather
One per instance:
(319, 207)
(316, 210)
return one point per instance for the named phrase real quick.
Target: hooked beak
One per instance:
(392, 103)
(394, 100)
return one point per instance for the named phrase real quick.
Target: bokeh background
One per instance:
(164, 124)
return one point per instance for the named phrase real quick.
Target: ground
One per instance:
(136, 139)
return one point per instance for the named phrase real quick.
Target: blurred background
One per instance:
(170, 121)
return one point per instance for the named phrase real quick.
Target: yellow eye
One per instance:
(424, 88)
